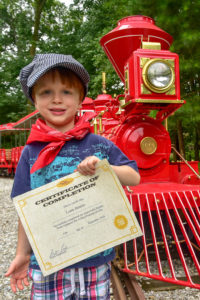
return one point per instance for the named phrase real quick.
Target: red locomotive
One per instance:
(168, 199)
(167, 202)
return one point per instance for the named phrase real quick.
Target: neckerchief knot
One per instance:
(40, 132)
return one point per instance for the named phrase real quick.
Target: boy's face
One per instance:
(56, 101)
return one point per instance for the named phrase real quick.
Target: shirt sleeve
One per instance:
(118, 158)
(21, 183)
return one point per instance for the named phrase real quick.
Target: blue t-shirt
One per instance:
(67, 160)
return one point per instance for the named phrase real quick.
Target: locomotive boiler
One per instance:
(168, 199)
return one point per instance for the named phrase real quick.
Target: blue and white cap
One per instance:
(42, 63)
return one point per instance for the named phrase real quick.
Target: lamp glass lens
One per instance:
(159, 74)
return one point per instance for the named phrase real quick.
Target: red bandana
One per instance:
(40, 132)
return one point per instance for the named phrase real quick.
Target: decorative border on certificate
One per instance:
(75, 217)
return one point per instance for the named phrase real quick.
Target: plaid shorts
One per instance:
(58, 286)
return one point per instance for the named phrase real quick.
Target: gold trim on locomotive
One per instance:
(146, 63)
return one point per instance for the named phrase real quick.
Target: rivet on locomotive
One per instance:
(167, 202)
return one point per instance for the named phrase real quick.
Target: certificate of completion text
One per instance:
(75, 217)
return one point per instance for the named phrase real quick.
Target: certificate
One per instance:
(75, 217)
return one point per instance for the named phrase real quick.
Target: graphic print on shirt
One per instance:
(65, 163)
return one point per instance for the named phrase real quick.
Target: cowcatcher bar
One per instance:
(169, 250)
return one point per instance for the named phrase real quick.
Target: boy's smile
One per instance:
(57, 101)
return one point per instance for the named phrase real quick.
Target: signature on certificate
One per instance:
(58, 252)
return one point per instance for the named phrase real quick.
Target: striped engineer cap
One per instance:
(43, 63)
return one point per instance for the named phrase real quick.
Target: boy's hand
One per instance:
(88, 165)
(18, 271)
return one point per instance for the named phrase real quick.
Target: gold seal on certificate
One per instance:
(75, 217)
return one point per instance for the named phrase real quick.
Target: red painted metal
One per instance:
(127, 39)
(128, 36)
(4, 162)
(88, 104)
(169, 211)
(10, 164)
(107, 108)
(134, 68)
(168, 199)
(129, 136)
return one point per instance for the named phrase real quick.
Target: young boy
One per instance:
(58, 145)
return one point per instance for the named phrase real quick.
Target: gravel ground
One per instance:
(8, 235)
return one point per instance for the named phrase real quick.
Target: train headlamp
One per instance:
(158, 75)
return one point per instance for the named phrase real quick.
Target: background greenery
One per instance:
(38, 26)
